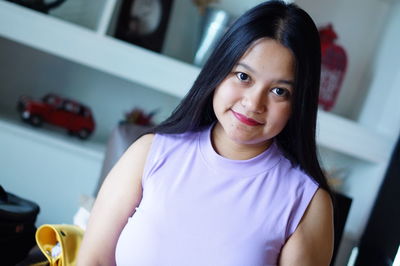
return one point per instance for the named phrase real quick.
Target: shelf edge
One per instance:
(346, 136)
(92, 151)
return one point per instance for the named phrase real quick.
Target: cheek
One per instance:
(226, 94)
(281, 115)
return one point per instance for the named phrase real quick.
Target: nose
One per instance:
(254, 101)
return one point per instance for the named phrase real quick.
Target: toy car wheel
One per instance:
(83, 133)
(35, 120)
(24, 116)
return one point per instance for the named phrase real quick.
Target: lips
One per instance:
(246, 120)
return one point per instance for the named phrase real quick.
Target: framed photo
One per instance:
(144, 22)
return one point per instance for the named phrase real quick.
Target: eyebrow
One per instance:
(288, 82)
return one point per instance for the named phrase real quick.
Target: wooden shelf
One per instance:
(167, 75)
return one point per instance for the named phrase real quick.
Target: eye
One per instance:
(243, 76)
(281, 92)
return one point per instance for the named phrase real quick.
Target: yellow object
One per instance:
(59, 243)
(43, 263)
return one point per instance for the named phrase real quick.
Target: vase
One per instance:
(214, 24)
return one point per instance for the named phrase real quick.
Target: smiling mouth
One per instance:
(246, 120)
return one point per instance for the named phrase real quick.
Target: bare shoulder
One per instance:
(142, 144)
(145, 140)
(119, 195)
(320, 205)
(131, 163)
(312, 242)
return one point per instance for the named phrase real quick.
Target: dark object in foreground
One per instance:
(17, 227)
(38, 5)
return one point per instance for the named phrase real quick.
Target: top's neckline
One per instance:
(260, 163)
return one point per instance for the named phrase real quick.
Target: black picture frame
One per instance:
(131, 20)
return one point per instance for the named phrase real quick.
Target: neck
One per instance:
(230, 149)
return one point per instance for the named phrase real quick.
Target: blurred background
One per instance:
(131, 61)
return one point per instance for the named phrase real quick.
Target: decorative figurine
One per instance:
(333, 68)
(139, 117)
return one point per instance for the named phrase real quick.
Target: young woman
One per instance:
(231, 177)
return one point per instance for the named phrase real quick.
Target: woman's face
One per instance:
(253, 103)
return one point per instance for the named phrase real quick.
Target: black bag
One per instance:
(38, 5)
(17, 227)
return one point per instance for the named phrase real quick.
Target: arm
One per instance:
(312, 242)
(116, 201)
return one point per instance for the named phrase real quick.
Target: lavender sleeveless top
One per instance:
(199, 208)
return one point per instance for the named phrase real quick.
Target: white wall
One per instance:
(237, 7)
(381, 108)
(82, 12)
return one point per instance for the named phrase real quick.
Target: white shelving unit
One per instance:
(96, 50)
(104, 53)
(350, 138)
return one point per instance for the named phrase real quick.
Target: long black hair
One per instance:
(294, 29)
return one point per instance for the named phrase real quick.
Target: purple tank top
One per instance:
(199, 208)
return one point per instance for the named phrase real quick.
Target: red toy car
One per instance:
(53, 109)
